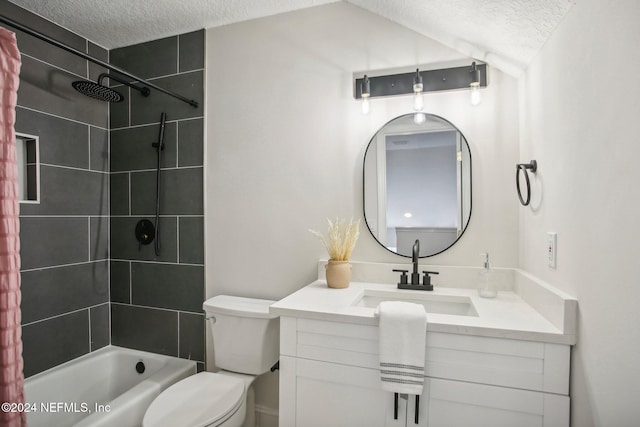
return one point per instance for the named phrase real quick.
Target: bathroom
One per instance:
(286, 154)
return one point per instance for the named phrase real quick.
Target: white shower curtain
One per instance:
(11, 374)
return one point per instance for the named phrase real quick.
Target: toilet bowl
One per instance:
(205, 399)
(246, 340)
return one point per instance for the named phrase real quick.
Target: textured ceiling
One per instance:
(117, 23)
(504, 33)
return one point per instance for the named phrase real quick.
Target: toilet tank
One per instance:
(246, 337)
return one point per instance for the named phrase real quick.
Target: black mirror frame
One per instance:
(470, 185)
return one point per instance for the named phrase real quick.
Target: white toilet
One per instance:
(246, 344)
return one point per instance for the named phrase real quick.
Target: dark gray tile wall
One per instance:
(64, 246)
(55, 341)
(156, 301)
(85, 280)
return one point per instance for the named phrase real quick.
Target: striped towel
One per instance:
(402, 333)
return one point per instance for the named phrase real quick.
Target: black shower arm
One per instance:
(38, 35)
(143, 90)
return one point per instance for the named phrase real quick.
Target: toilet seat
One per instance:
(200, 400)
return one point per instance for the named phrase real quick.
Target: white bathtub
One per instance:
(102, 388)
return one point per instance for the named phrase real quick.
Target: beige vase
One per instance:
(338, 274)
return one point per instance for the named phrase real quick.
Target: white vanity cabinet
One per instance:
(329, 377)
(320, 394)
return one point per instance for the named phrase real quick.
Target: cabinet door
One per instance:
(455, 404)
(326, 394)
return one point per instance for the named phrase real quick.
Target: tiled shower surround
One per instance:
(85, 283)
(157, 300)
(64, 238)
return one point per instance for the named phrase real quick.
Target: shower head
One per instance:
(97, 91)
(104, 93)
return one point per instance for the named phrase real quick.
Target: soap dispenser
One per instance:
(486, 287)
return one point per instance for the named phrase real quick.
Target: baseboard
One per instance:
(266, 417)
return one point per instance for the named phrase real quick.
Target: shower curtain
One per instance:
(11, 375)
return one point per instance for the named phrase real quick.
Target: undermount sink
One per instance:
(437, 304)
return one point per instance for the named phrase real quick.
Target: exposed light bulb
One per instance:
(408, 214)
(474, 95)
(365, 90)
(365, 105)
(474, 92)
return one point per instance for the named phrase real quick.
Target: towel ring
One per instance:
(533, 166)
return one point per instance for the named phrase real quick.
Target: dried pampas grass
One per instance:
(342, 238)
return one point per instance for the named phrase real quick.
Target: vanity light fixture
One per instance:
(365, 91)
(417, 83)
(474, 94)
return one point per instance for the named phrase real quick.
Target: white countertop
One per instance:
(507, 316)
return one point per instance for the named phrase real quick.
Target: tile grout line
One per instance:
(164, 76)
(86, 49)
(89, 237)
(138, 215)
(59, 117)
(54, 66)
(50, 165)
(140, 261)
(150, 307)
(64, 314)
(177, 144)
(178, 315)
(66, 216)
(129, 191)
(178, 54)
(130, 282)
(162, 168)
(89, 314)
(177, 239)
(89, 145)
(109, 207)
(184, 119)
(49, 267)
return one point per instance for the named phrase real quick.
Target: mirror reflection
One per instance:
(417, 184)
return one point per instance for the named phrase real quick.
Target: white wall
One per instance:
(580, 118)
(286, 140)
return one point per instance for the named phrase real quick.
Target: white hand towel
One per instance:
(402, 330)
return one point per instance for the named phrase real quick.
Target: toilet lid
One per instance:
(196, 401)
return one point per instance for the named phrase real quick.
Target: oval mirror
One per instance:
(417, 184)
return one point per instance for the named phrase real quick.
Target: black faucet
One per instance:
(415, 276)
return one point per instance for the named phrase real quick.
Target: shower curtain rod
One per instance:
(36, 34)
